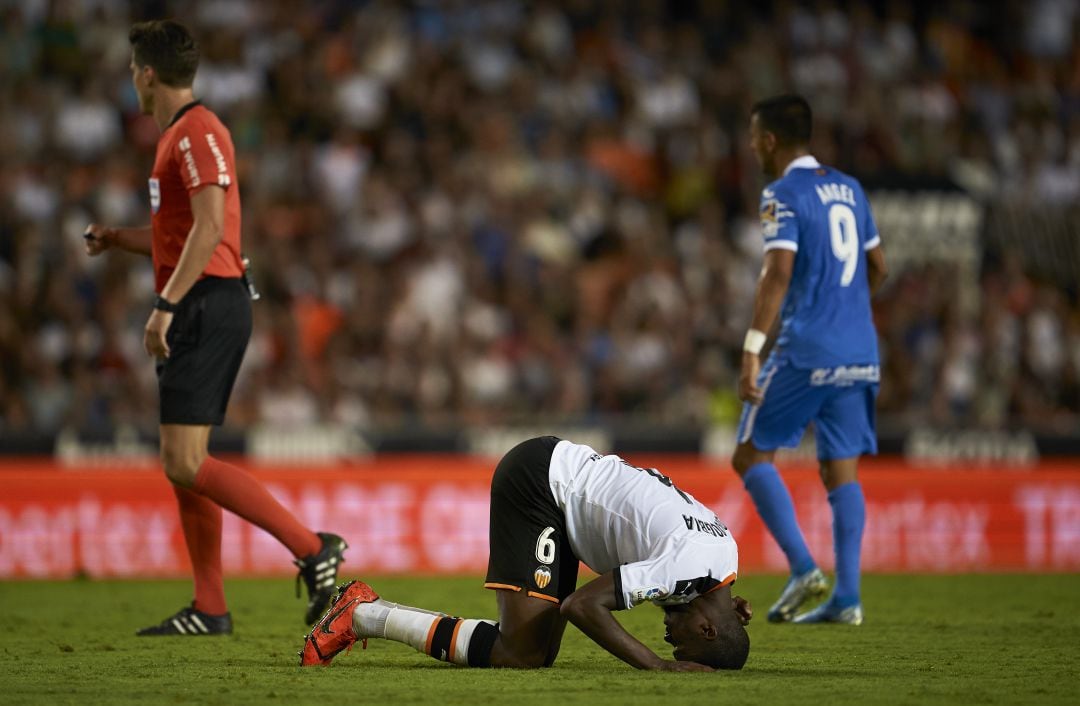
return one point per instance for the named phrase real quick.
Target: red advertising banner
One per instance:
(429, 514)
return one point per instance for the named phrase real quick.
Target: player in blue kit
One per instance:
(823, 261)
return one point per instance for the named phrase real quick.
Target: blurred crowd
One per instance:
(483, 212)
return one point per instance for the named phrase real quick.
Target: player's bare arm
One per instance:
(771, 288)
(208, 213)
(590, 609)
(876, 270)
(99, 238)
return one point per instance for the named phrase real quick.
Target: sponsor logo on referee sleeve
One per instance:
(155, 195)
(223, 178)
(189, 161)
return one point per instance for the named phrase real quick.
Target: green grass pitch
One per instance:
(990, 639)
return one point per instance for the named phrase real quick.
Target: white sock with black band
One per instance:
(467, 642)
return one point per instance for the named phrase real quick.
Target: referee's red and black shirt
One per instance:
(195, 151)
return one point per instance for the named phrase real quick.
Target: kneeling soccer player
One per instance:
(555, 503)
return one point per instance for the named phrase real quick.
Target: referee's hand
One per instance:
(97, 238)
(154, 335)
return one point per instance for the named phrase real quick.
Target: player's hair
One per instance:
(168, 47)
(788, 117)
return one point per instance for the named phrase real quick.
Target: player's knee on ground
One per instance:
(552, 654)
(504, 654)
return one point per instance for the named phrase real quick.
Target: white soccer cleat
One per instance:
(828, 613)
(799, 590)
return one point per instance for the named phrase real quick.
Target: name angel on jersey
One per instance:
(716, 528)
(829, 193)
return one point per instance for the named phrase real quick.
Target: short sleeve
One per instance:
(201, 158)
(639, 582)
(673, 577)
(779, 223)
(871, 237)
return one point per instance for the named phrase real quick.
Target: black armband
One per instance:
(163, 304)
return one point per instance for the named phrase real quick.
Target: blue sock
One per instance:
(849, 518)
(777, 511)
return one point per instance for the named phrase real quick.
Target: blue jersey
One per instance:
(823, 216)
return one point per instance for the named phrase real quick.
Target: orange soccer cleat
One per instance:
(334, 632)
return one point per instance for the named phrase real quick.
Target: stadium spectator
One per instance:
(542, 165)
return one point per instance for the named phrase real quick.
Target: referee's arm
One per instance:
(100, 238)
(208, 211)
(207, 230)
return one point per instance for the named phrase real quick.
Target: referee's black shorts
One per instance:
(207, 340)
(530, 550)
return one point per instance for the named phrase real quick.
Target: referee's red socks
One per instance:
(200, 518)
(237, 491)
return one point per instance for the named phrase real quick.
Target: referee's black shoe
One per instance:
(319, 572)
(190, 622)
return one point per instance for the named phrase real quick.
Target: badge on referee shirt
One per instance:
(155, 195)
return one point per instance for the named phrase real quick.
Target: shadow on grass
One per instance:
(815, 672)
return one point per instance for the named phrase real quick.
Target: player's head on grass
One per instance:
(780, 129)
(163, 55)
(708, 630)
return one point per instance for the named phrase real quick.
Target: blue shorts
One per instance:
(839, 401)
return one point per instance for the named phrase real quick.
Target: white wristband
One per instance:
(754, 342)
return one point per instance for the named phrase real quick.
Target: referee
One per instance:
(199, 328)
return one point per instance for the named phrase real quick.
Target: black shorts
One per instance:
(530, 550)
(207, 340)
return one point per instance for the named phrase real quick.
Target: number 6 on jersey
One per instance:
(545, 546)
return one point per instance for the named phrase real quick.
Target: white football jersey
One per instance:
(663, 545)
